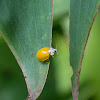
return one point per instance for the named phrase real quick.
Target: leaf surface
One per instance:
(82, 15)
(26, 26)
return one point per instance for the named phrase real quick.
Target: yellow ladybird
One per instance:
(44, 53)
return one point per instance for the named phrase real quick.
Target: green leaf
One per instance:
(26, 25)
(82, 15)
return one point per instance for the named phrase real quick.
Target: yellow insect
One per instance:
(44, 53)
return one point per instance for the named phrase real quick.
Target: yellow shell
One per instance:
(43, 54)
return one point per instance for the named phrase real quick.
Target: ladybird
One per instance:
(44, 53)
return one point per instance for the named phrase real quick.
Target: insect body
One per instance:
(44, 53)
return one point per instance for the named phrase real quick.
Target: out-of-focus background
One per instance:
(58, 84)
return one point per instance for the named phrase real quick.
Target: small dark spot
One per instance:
(25, 77)
(32, 55)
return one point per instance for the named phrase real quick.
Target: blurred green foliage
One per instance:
(58, 84)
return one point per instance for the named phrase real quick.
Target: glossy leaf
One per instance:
(82, 15)
(26, 25)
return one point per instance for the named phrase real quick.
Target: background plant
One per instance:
(58, 85)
